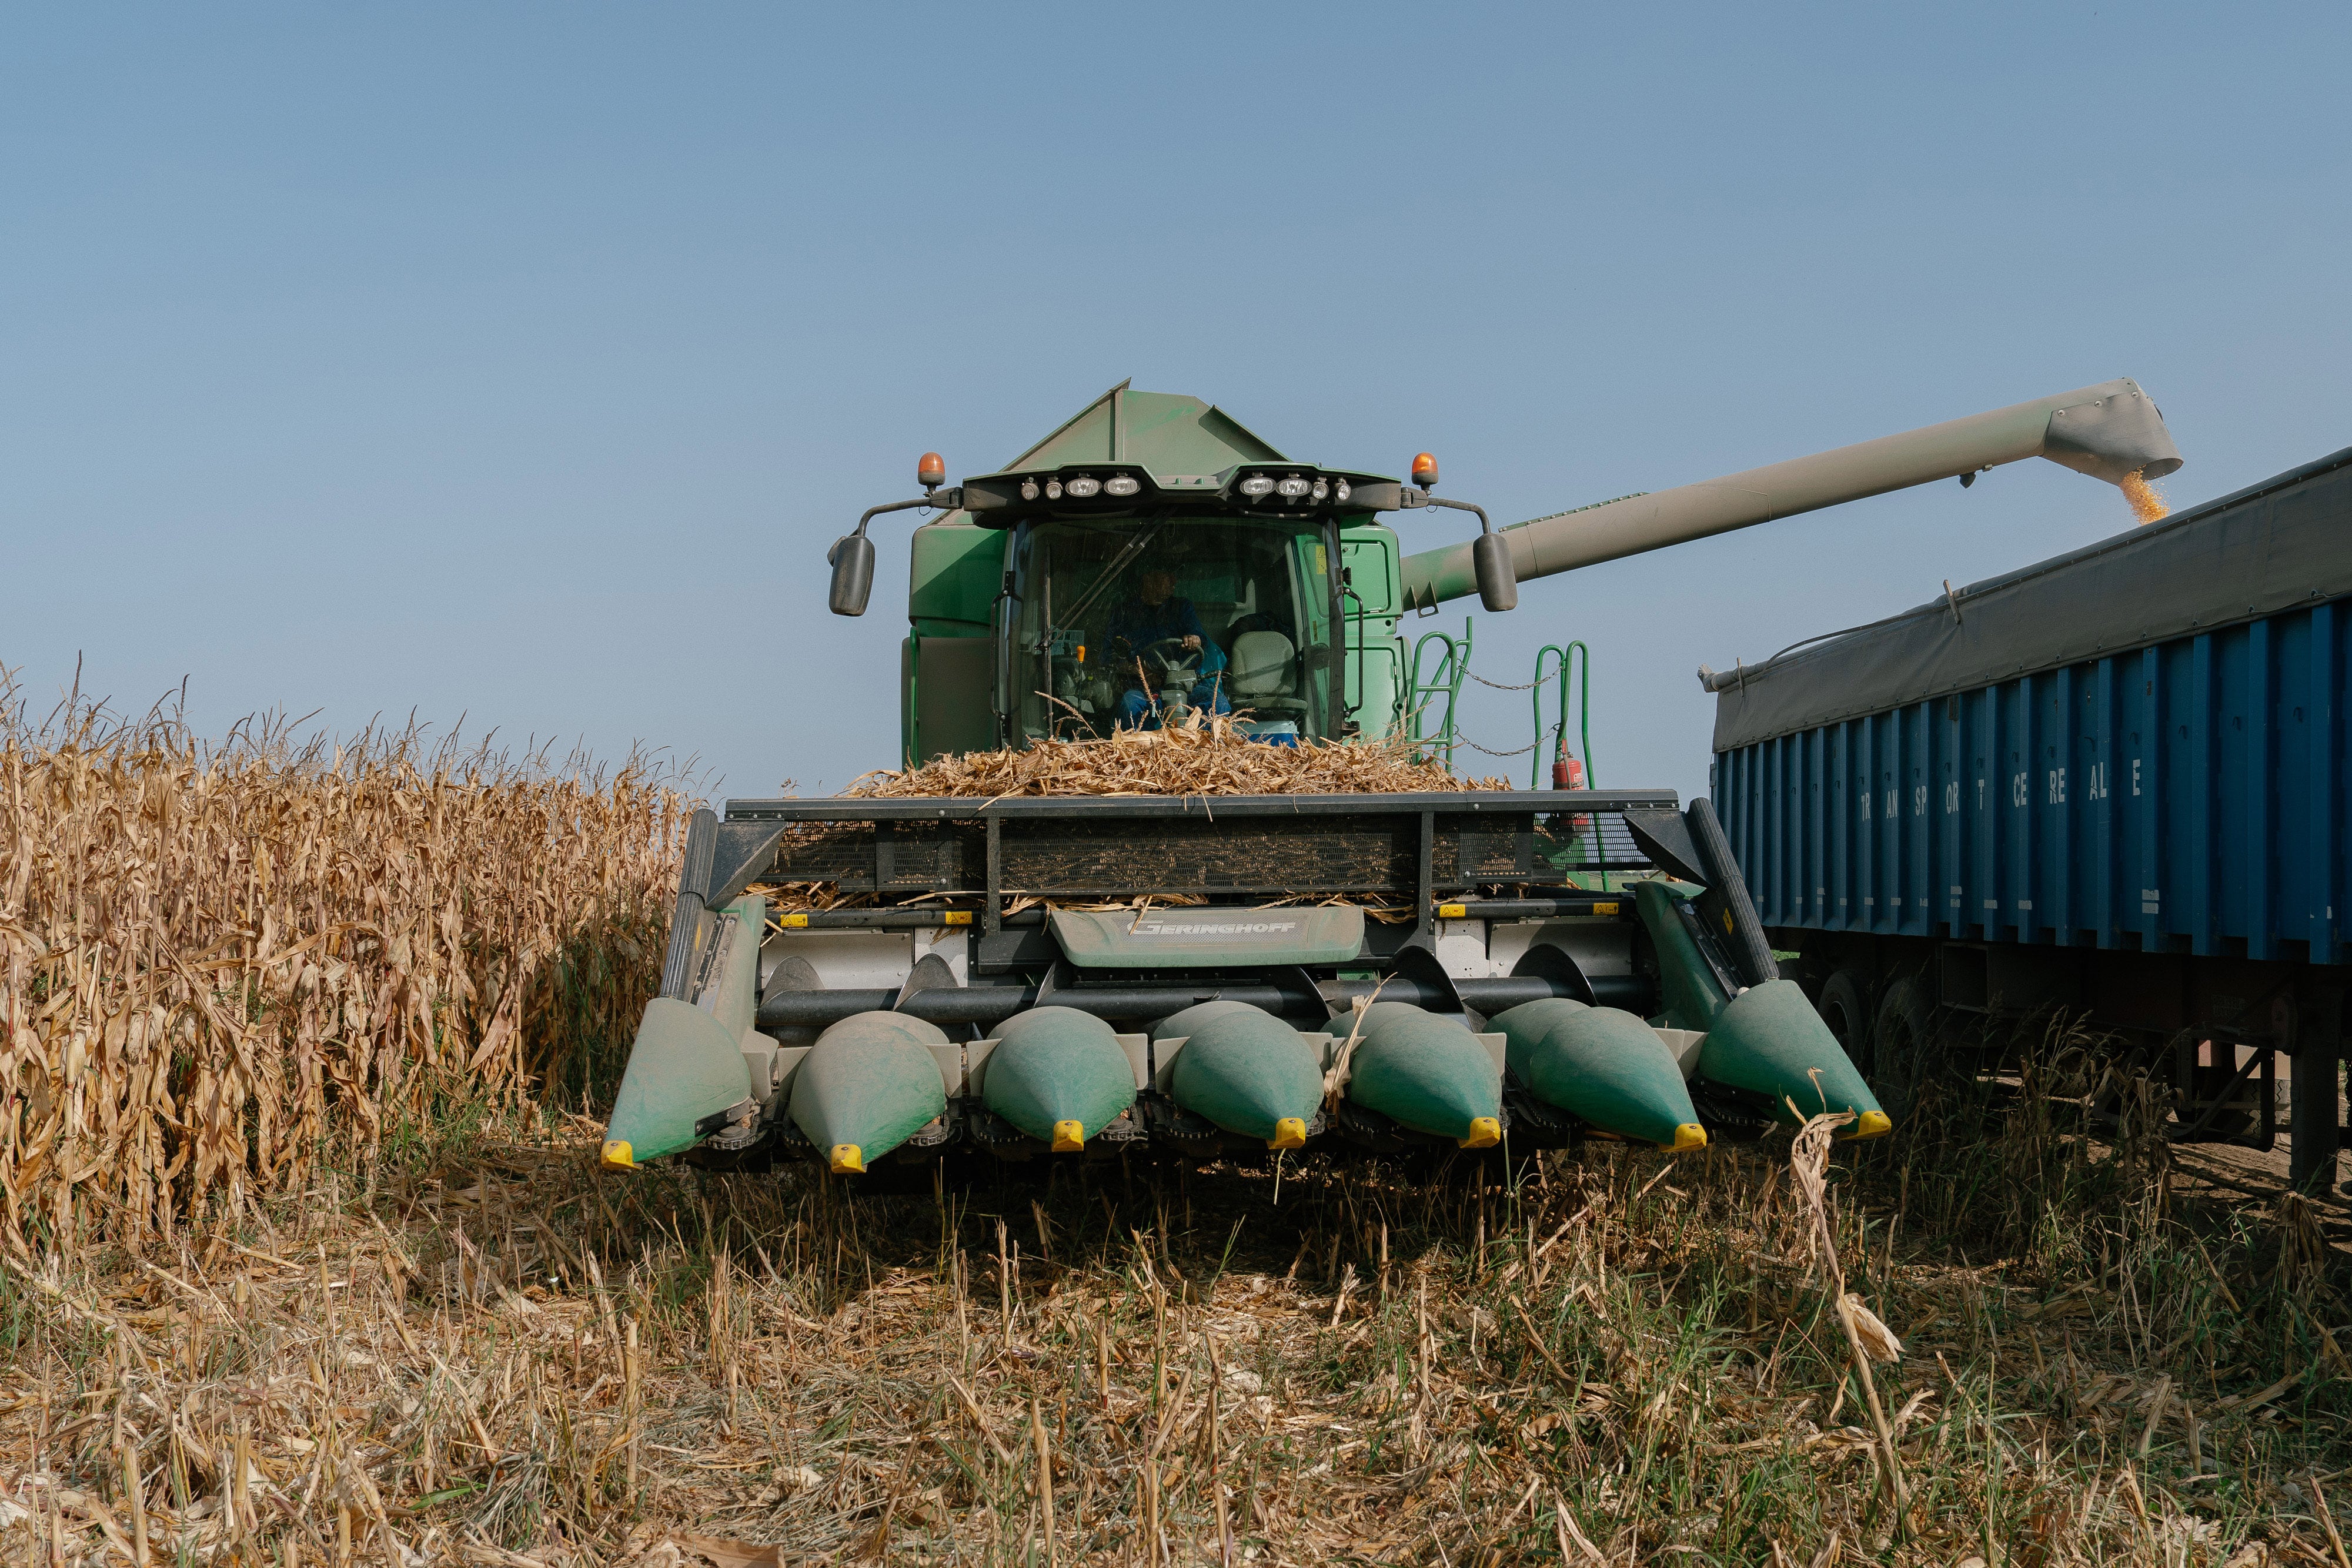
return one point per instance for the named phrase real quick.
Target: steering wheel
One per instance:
(1171, 655)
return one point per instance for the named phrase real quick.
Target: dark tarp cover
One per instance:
(2284, 542)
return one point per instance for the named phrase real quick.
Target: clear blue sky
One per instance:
(522, 361)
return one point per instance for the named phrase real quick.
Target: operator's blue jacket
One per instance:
(1143, 624)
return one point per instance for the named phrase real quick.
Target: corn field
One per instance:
(217, 962)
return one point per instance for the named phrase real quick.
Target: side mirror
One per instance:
(852, 557)
(1498, 585)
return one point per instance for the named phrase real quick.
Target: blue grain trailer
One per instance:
(2114, 782)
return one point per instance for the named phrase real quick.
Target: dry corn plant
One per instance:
(215, 961)
(1201, 756)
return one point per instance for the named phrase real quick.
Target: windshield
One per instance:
(1132, 622)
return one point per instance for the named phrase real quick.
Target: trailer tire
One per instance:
(1844, 1006)
(1905, 1046)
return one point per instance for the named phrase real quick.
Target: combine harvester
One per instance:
(1386, 972)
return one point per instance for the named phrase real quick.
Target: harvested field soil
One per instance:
(478, 1349)
(1201, 756)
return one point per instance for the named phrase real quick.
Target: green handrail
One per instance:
(1562, 659)
(1454, 663)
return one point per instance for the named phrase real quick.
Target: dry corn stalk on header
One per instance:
(1201, 756)
(217, 961)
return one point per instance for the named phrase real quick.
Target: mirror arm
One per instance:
(1490, 553)
(947, 500)
(1410, 498)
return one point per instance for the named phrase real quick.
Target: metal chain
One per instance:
(1522, 751)
(1499, 686)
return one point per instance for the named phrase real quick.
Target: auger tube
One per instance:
(989, 1006)
(2109, 432)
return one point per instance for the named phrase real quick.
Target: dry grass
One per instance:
(485, 1352)
(217, 962)
(1202, 755)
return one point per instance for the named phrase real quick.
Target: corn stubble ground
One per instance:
(425, 1328)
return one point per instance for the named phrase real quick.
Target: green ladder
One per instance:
(1578, 655)
(1429, 724)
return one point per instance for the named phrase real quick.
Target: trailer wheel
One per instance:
(1905, 1049)
(1844, 1006)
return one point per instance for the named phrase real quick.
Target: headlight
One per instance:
(1084, 486)
(1121, 484)
(1292, 489)
(1258, 485)
(1322, 488)
(1028, 489)
(1340, 491)
(1053, 489)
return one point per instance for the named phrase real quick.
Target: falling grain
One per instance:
(2148, 504)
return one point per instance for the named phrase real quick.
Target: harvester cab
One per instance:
(1049, 977)
(1149, 558)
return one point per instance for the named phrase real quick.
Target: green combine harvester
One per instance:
(1390, 973)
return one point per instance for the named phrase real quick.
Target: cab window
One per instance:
(1119, 623)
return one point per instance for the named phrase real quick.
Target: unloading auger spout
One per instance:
(2111, 432)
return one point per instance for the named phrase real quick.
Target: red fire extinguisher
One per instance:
(1568, 773)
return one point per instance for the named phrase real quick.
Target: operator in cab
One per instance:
(1156, 641)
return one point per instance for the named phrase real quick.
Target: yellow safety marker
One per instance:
(956, 917)
(1873, 1123)
(848, 1159)
(1604, 909)
(792, 922)
(1069, 1137)
(618, 1155)
(1452, 911)
(1486, 1131)
(1290, 1133)
(1687, 1136)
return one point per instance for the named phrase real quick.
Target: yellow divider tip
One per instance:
(1290, 1133)
(1486, 1131)
(1069, 1137)
(848, 1159)
(618, 1155)
(1687, 1135)
(1873, 1123)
